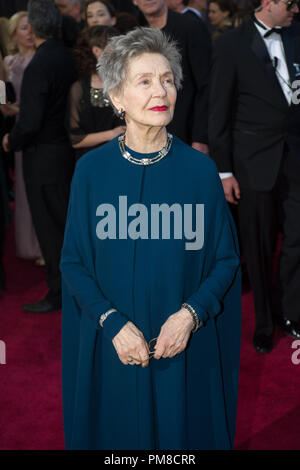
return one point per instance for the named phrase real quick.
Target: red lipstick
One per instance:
(159, 108)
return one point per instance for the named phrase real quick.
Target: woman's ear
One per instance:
(97, 51)
(115, 99)
(113, 21)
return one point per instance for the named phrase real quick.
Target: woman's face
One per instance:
(216, 16)
(98, 14)
(23, 36)
(149, 93)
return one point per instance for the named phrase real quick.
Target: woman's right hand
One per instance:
(117, 131)
(130, 343)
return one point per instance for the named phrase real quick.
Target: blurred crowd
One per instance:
(85, 28)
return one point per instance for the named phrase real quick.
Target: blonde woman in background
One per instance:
(21, 50)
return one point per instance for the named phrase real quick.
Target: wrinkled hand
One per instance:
(174, 334)
(130, 343)
(5, 143)
(231, 190)
(117, 131)
(201, 147)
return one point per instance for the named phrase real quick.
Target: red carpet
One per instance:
(30, 381)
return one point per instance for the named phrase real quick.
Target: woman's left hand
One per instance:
(174, 334)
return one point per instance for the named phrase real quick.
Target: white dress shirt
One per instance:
(193, 10)
(275, 49)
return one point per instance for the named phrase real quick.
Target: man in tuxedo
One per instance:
(72, 8)
(198, 6)
(182, 6)
(40, 132)
(254, 136)
(195, 9)
(191, 112)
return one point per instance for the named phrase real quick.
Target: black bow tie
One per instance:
(273, 30)
(277, 30)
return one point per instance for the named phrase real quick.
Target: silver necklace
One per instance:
(145, 161)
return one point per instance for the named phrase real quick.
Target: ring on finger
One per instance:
(133, 361)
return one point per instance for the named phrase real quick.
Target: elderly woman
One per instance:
(150, 266)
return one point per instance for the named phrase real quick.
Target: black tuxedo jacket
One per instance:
(41, 123)
(250, 120)
(203, 18)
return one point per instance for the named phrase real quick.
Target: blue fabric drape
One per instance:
(186, 402)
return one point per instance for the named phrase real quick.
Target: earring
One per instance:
(121, 114)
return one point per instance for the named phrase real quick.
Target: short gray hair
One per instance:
(113, 62)
(45, 18)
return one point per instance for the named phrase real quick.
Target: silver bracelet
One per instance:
(105, 315)
(197, 321)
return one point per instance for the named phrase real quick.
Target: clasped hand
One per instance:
(133, 349)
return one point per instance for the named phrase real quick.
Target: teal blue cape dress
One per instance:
(187, 402)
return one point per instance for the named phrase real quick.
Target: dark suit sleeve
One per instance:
(34, 93)
(199, 54)
(223, 89)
